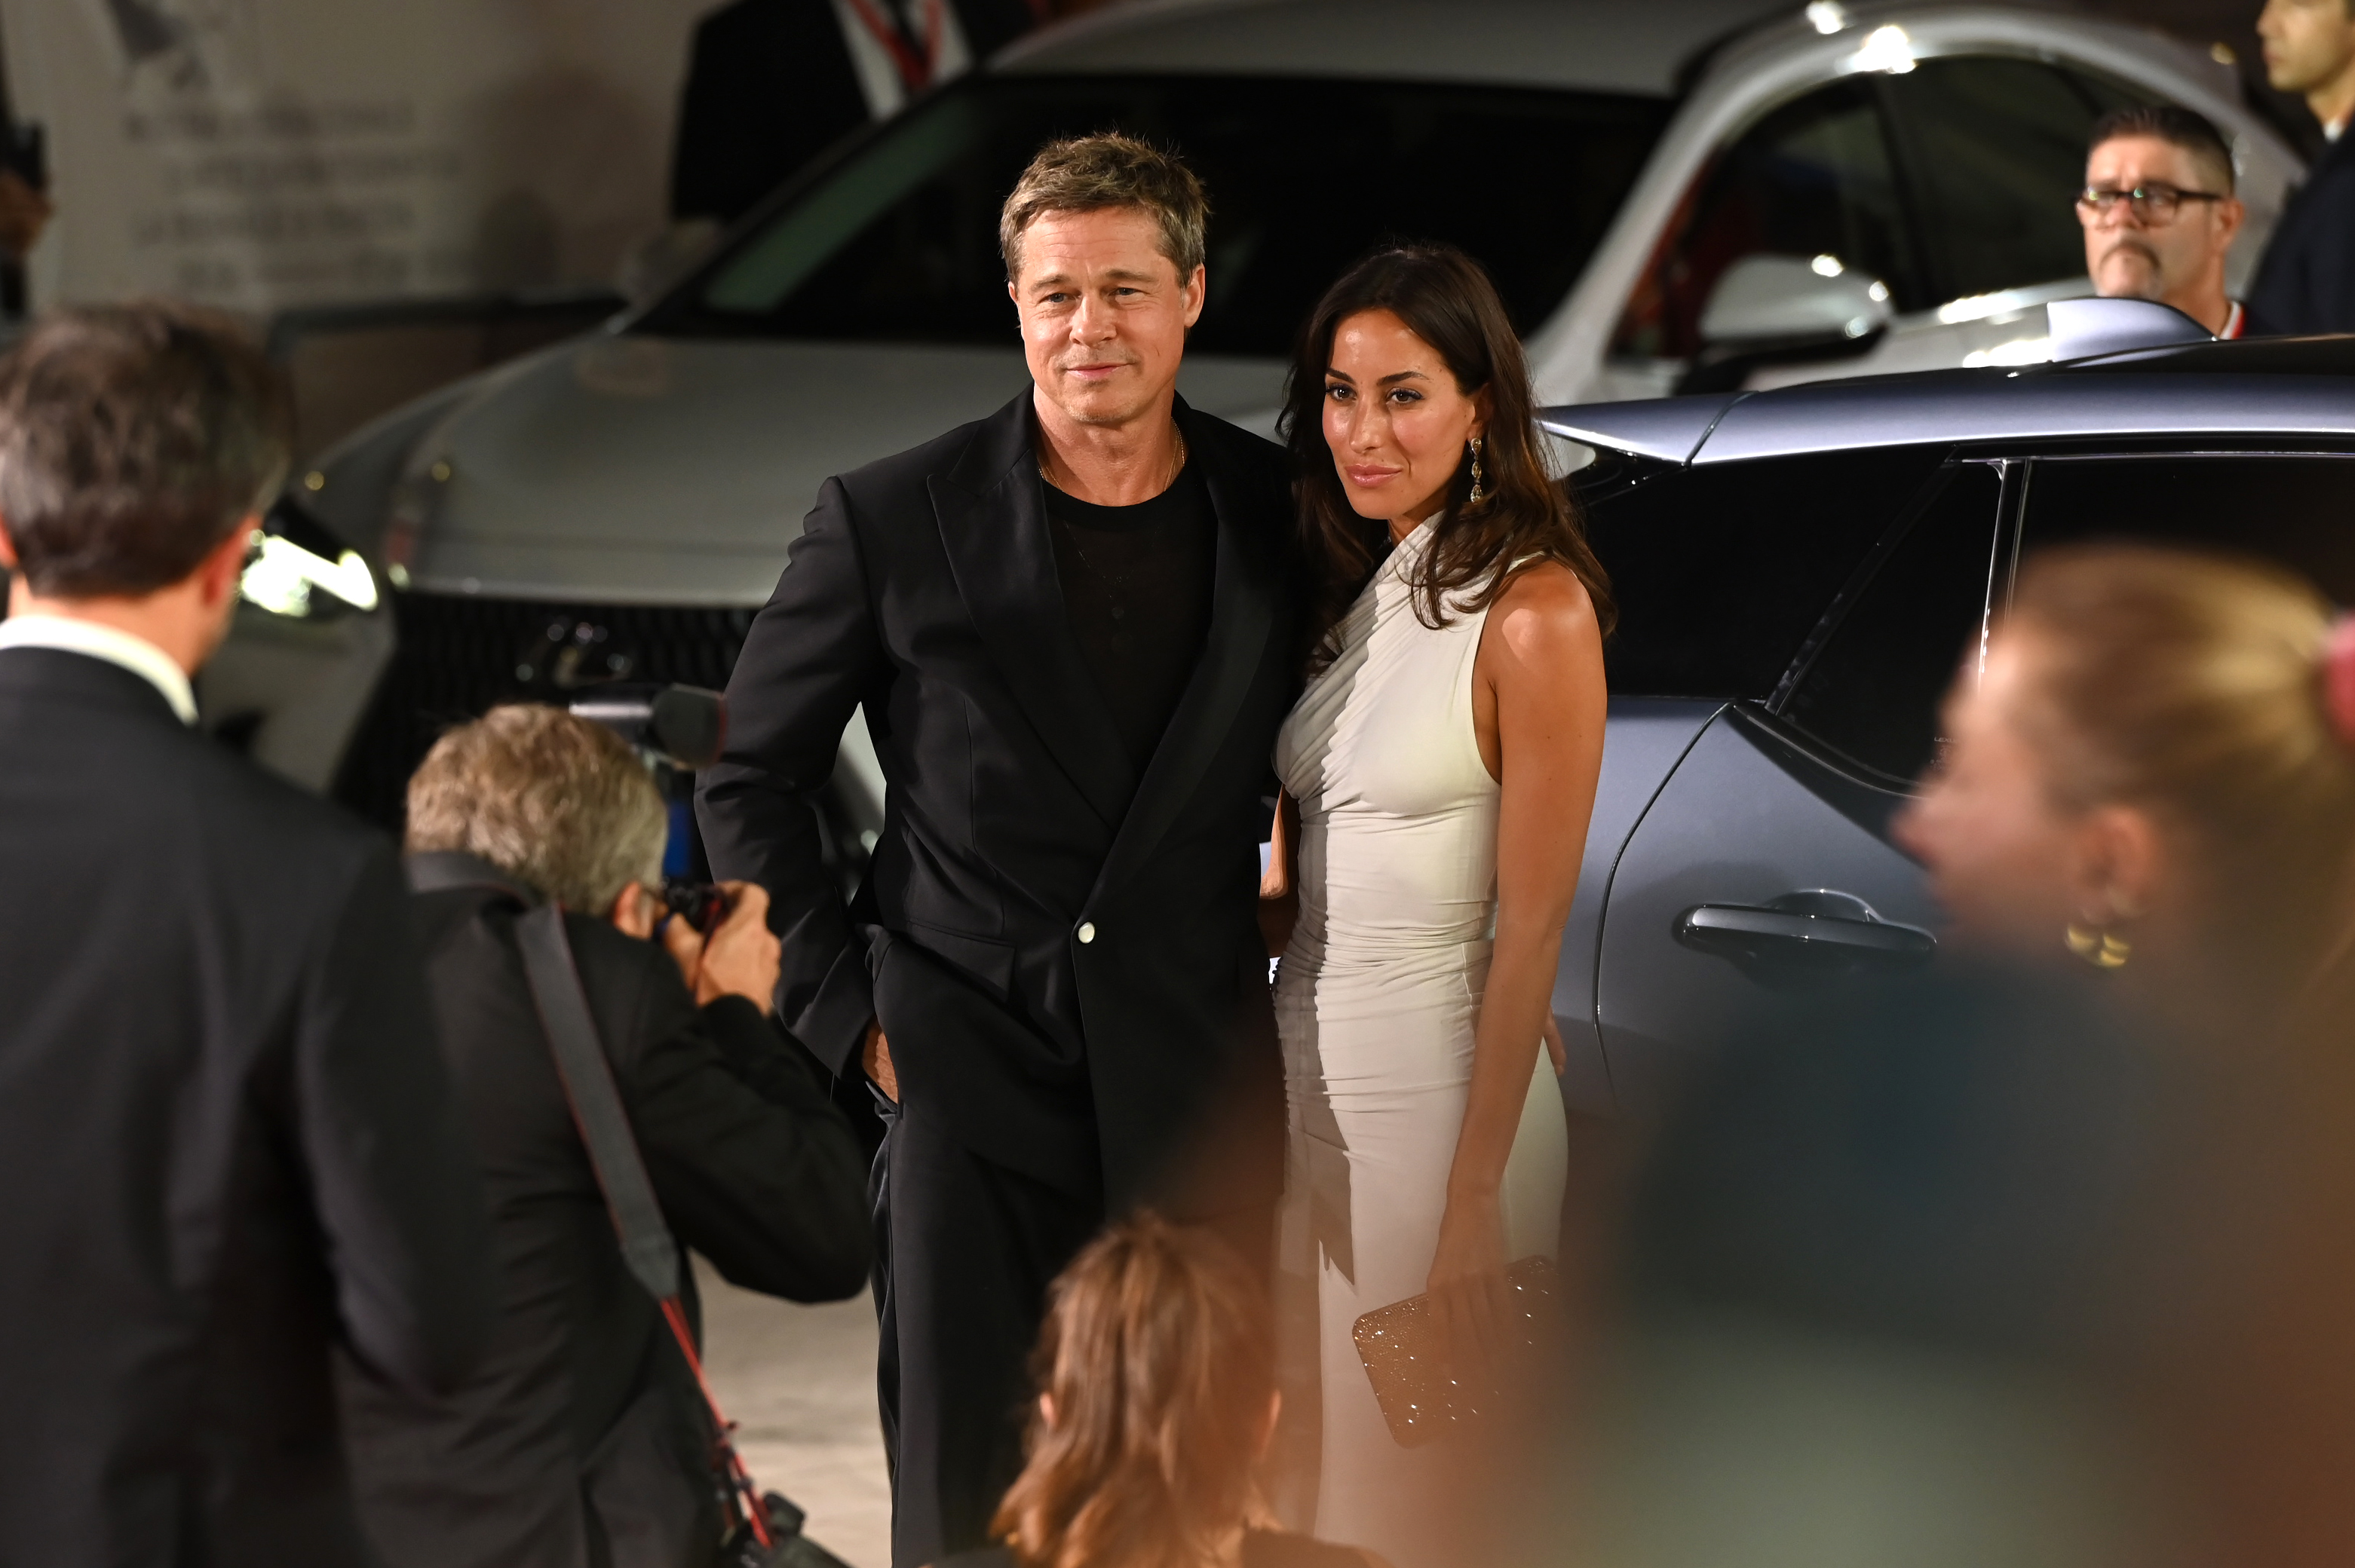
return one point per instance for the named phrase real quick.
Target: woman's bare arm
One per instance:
(1539, 711)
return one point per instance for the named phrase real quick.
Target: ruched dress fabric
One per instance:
(1376, 1000)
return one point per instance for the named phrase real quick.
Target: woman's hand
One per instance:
(1471, 1299)
(1279, 882)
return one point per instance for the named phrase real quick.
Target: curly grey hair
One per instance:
(557, 802)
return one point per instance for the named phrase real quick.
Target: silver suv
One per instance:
(1689, 194)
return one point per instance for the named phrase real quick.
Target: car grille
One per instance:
(459, 656)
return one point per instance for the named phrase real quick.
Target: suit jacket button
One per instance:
(1087, 930)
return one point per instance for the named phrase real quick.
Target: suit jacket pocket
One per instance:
(988, 964)
(969, 1062)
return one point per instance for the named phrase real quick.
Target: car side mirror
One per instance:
(1778, 298)
(1785, 309)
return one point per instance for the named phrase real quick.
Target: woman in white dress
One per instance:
(1438, 771)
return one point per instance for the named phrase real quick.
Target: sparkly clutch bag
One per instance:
(1407, 1364)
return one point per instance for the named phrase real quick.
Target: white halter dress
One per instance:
(1376, 1000)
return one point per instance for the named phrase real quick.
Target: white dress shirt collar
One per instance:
(136, 654)
(880, 81)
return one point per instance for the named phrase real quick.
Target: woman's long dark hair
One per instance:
(1524, 514)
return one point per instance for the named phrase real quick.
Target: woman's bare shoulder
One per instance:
(1545, 614)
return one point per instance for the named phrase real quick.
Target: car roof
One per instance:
(2286, 386)
(1599, 45)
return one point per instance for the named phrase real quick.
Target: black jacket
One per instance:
(227, 1139)
(770, 85)
(1059, 950)
(2307, 281)
(532, 1459)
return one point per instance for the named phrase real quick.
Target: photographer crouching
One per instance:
(584, 1439)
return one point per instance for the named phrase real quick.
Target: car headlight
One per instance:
(303, 572)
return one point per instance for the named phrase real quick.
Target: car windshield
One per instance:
(899, 242)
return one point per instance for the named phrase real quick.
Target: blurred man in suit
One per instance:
(2306, 282)
(225, 1137)
(772, 83)
(2160, 213)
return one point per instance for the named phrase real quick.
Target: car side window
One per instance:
(1994, 152)
(1721, 571)
(1814, 178)
(1871, 694)
(2291, 510)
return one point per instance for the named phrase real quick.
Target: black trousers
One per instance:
(964, 1251)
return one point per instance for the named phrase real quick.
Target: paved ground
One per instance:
(799, 1383)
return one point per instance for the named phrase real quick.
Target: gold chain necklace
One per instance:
(1175, 467)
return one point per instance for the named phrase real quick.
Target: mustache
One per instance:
(2128, 243)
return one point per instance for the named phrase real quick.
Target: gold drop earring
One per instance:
(2097, 946)
(1478, 489)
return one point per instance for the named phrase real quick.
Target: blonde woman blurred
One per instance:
(2154, 775)
(2039, 1255)
(1156, 1399)
(2152, 784)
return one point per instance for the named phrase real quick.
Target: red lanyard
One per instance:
(915, 70)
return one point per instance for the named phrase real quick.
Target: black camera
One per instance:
(699, 903)
(680, 728)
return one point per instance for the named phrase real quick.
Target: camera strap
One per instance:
(605, 1126)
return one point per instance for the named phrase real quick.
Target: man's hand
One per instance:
(739, 959)
(875, 1057)
(740, 956)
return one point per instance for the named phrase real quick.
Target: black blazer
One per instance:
(770, 85)
(754, 1169)
(2307, 281)
(226, 1140)
(1059, 950)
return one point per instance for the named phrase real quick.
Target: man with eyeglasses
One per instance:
(2160, 213)
(2307, 281)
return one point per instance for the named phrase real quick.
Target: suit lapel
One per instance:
(1243, 613)
(993, 521)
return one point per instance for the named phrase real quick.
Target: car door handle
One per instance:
(1818, 926)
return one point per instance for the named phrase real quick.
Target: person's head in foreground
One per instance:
(1409, 401)
(2309, 49)
(1156, 1377)
(2159, 211)
(2153, 772)
(560, 804)
(138, 445)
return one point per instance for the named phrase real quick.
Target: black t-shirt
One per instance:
(1136, 585)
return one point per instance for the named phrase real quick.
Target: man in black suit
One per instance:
(772, 83)
(1071, 627)
(2307, 281)
(226, 1136)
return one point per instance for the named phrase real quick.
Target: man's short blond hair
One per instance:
(1091, 174)
(557, 802)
